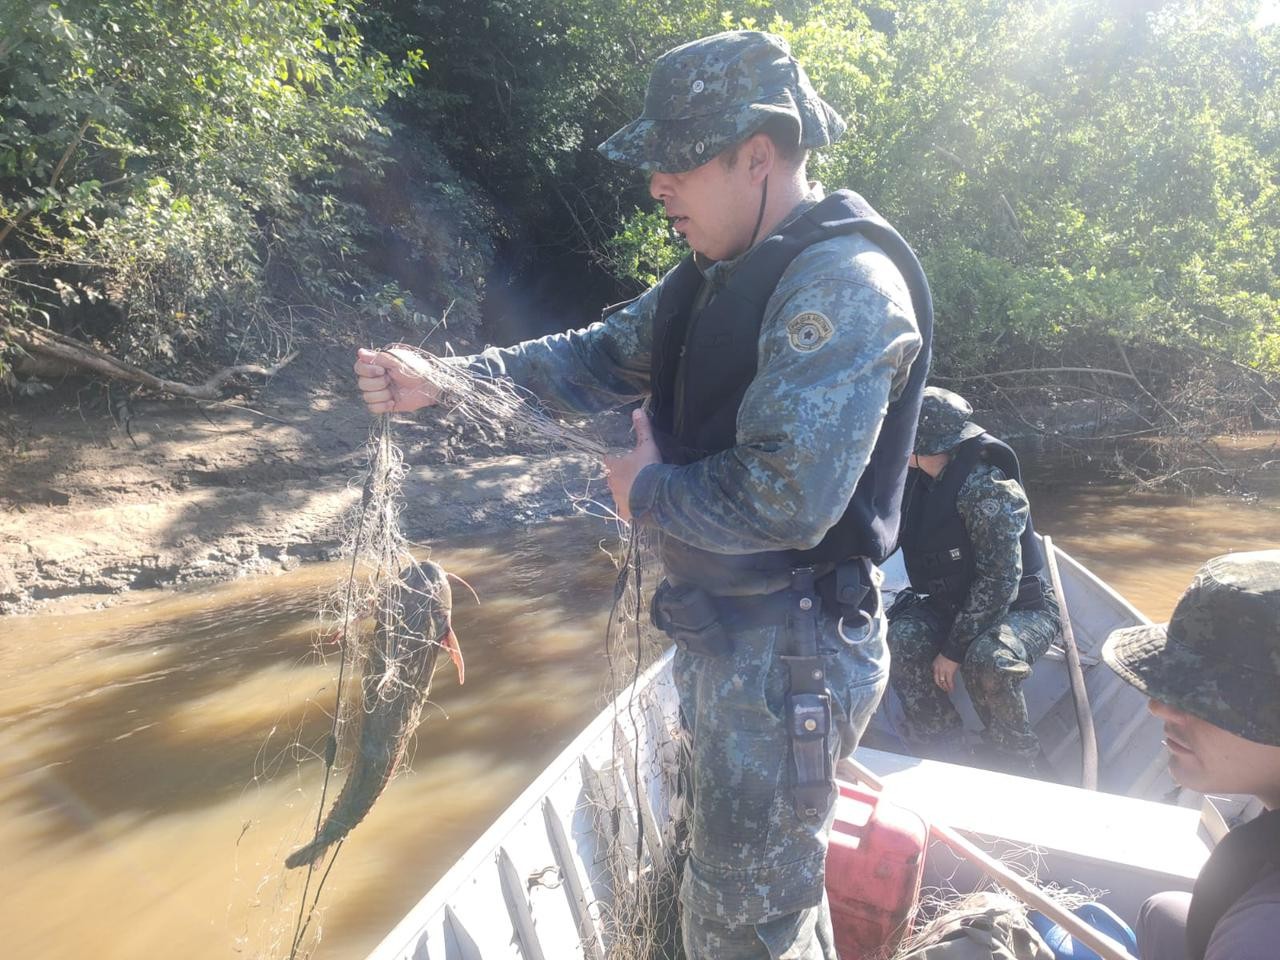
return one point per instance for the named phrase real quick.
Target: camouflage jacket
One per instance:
(994, 510)
(808, 422)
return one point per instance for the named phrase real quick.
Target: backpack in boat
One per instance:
(988, 927)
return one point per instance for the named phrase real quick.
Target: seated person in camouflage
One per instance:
(979, 603)
(1213, 676)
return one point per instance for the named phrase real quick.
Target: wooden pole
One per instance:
(1079, 693)
(1028, 893)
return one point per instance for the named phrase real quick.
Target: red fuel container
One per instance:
(874, 867)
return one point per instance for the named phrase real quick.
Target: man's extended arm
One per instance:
(581, 371)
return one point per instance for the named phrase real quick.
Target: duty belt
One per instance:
(702, 623)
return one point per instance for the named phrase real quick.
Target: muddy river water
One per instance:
(154, 765)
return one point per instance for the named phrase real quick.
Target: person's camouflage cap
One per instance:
(1219, 656)
(944, 421)
(710, 94)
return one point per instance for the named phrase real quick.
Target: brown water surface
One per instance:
(1148, 545)
(149, 782)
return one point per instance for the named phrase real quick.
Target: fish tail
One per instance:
(450, 642)
(313, 851)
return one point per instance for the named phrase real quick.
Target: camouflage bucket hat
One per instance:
(1219, 657)
(710, 94)
(944, 422)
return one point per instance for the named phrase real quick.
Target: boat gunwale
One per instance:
(411, 926)
(407, 935)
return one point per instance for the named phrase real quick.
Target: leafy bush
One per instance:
(1079, 178)
(181, 165)
(1069, 174)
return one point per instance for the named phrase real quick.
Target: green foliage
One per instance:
(520, 92)
(644, 248)
(1117, 163)
(1071, 174)
(182, 164)
(1075, 176)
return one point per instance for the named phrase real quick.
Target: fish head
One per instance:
(431, 599)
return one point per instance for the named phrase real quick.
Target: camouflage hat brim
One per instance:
(655, 145)
(944, 443)
(710, 94)
(1212, 689)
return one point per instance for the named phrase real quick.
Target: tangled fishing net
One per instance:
(641, 818)
(637, 807)
(365, 618)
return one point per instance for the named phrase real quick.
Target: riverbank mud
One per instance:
(95, 505)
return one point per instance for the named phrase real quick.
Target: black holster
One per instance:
(813, 785)
(690, 617)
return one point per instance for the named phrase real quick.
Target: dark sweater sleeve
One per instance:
(1250, 930)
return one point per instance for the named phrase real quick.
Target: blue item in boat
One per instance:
(1066, 947)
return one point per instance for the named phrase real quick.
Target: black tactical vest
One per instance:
(935, 545)
(709, 359)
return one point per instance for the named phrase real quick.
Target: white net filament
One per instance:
(470, 396)
(367, 616)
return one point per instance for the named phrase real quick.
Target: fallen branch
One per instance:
(1151, 483)
(49, 345)
(1200, 444)
(1102, 371)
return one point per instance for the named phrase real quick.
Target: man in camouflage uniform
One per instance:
(1213, 676)
(979, 602)
(777, 360)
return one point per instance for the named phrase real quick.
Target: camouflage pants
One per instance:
(753, 880)
(994, 667)
(803, 935)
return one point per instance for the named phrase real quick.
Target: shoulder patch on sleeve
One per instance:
(988, 508)
(808, 331)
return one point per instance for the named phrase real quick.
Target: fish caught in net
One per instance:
(392, 620)
(414, 624)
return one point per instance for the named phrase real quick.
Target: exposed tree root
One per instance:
(48, 346)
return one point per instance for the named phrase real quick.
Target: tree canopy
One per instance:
(1089, 183)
